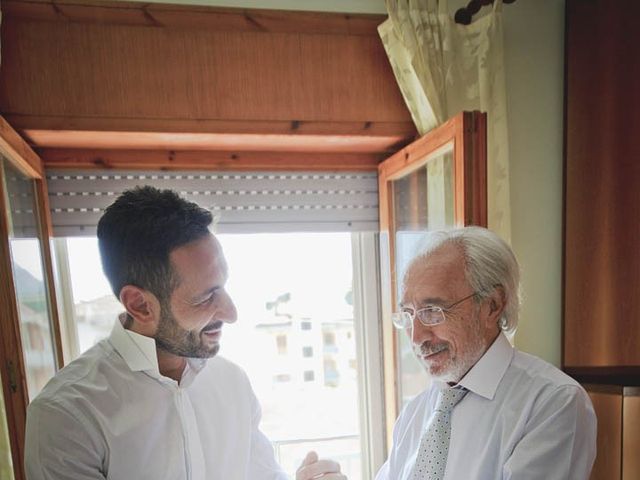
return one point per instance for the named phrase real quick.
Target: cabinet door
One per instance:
(631, 434)
(607, 403)
(437, 181)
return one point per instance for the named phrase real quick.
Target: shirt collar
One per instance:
(138, 351)
(485, 376)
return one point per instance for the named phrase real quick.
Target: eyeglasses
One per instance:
(427, 316)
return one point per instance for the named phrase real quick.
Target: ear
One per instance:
(142, 306)
(496, 303)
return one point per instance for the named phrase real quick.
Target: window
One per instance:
(31, 290)
(283, 311)
(93, 306)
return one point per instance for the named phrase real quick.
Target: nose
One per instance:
(420, 333)
(226, 311)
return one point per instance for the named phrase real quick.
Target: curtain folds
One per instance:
(443, 68)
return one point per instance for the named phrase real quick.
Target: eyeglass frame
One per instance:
(431, 308)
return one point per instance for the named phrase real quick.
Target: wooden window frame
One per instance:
(14, 383)
(467, 134)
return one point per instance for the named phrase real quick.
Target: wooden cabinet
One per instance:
(601, 325)
(601, 322)
(602, 198)
(618, 411)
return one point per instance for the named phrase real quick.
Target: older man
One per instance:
(491, 412)
(151, 402)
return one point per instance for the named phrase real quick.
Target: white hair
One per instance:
(489, 263)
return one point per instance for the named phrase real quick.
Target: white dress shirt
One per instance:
(523, 419)
(111, 415)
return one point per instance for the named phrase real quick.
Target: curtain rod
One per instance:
(464, 15)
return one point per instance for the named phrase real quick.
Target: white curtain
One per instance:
(443, 68)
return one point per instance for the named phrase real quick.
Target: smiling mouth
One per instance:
(213, 331)
(213, 334)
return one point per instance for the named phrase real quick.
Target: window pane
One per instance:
(423, 200)
(95, 308)
(6, 462)
(294, 336)
(298, 287)
(28, 277)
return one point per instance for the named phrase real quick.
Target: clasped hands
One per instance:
(314, 468)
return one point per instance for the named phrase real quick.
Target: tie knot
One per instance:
(449, 398)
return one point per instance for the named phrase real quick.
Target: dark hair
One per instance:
(139, 230)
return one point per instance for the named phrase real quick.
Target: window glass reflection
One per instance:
(422, 200)
(28, 276)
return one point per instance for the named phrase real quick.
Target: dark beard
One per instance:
(174, 339)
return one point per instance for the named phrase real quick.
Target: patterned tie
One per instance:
(434, 446)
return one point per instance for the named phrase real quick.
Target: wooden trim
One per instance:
(628, 376)
(606, 389)
(11, 351)
(42, 123)
(389, 339)
(389, 333)
(404, 161)
(384, 206)
(46, 233)
(475, 171)
(203, 160)
(460, 156)
(256, 142)
(472, 158)
(21, 155)
(194, 17)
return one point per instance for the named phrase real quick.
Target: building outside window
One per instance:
(281, 342)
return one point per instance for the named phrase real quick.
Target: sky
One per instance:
(272, 264)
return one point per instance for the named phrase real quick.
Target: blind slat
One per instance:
(242, 202)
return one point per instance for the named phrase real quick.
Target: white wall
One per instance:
(534, 56)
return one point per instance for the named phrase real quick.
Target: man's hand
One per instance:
(312, 468)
